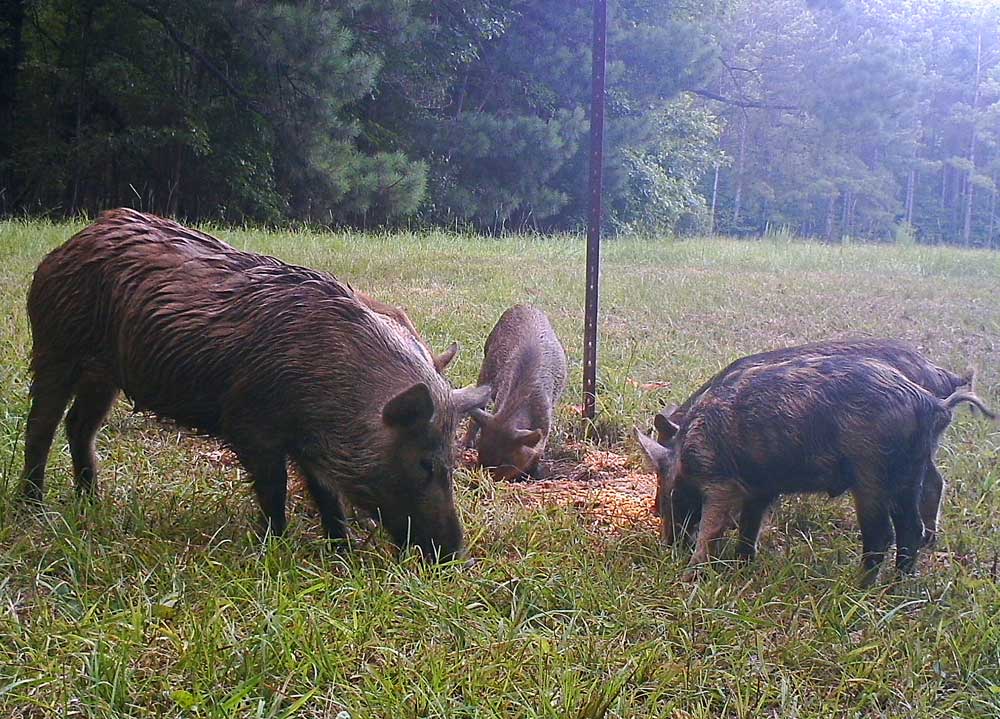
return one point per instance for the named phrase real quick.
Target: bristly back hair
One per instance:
(524, 375)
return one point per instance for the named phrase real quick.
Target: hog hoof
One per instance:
(32, 500)
(867, 577)
(694, 574)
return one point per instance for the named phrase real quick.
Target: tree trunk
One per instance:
(955, 203)
(831, 214)
(850, 215)
(174, 191)
(941, 208)
(993, 212)
(715, 194)
(461, 94)
(911, 188)
(969, 186)
(738, 196)
(844, 226)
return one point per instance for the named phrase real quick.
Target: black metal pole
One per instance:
(599, 60)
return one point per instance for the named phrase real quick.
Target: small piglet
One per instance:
(525, 364)
(810, 424)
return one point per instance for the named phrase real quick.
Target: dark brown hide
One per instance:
(399, 316)
(525, 364)
(280, 362)
(904, 358)
(810, 424)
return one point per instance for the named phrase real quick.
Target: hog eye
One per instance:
(428, 467)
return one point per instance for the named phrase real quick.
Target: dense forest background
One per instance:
(875, 119)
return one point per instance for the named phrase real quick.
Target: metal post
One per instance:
(594, 223)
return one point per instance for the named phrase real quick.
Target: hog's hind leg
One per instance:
(94, 398)
(872, 508)
(50, 393)
(931, 495)
(751, 517)
(905, 511)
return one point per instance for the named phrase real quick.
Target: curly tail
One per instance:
(959, 397)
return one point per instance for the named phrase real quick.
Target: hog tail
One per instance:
(958, 398)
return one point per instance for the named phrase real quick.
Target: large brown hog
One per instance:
(899, 355)
(280, 362)
(525, 364)
(811, 424)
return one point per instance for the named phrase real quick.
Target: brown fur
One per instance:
(399, 316)
(810, 424)
(904, 358)
(280, 362)
(525, 364)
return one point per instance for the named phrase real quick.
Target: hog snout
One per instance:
(445, 543)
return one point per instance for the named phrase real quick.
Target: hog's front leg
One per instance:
(721, 505)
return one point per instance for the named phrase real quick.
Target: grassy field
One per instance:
(158, 599)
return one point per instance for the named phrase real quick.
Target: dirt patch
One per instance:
(602, 488)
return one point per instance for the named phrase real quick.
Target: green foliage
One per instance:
(512, 150)
(215, 109)
(660, 182)
(344, 113)
(851, 117)
(502, 167)
(836, 119)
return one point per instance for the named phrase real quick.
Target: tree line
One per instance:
(827, 118)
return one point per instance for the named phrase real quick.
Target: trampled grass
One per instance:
(158, 600)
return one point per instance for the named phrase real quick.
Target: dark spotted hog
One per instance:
(899, 355)
(525, 364)
(280, 362)
(811, 424)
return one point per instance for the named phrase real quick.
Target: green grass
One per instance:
(158, 600)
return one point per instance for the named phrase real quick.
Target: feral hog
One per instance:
(899, 355)
(399, 316)
(525, 364)
(280, 362)
(810, 424)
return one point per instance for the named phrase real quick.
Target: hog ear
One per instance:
(480, 416)
(669, 411)
(653, 453)
(469, 398)
(410, 407)
(664, 425)
(444, 359)
(528, 437)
